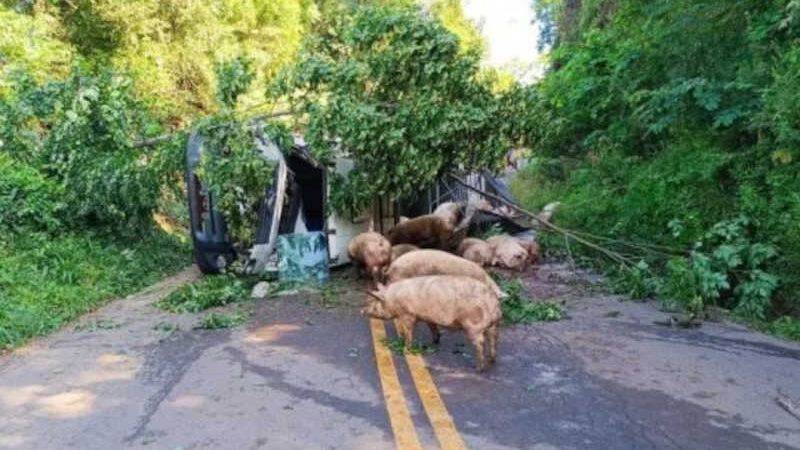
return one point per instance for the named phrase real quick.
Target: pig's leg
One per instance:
(492, 334)
(356, 269)
(401, 331)
(444, 241)
(434, 332)
(477, 341)
(405, 328)
(376, 275)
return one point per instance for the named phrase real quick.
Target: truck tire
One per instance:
(207, 262)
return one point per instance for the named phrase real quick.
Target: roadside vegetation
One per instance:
(208, 292)
(76, 198)
(45, 282)
(212, 292)
(398, 346)
(216, 321)
(519, 307)
(670, 132)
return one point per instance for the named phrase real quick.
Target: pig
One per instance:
(507, 252)
(371, 250)
(532, 247)
(436, 262)
(423, 231)
(450, 211)
(533, 250)
(441, 300)
(476, 250)
(401, 249)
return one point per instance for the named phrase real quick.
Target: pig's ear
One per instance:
(381, 287)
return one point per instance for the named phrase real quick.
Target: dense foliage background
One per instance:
(676, 123)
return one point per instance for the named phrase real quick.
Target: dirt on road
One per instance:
(301, 373)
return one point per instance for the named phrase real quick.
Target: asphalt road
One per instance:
(305, 374)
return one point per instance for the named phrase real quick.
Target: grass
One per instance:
(527, 311)
(519, 308)
(215, 321)
(46, 281)
(97, 326)
(331, 294)
(166, 327)
(786, 327)
(209, 292)
(397, 345)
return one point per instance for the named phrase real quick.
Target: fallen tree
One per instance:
(400, 96)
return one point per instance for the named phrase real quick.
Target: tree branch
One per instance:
(614, 256)
(149, 142)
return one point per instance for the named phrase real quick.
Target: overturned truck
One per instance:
(296, 202)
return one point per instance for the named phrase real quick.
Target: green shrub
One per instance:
(638, 281)
(28, 201)
(79, 133)
(663, 123)
(89, 152)
(679, 288)
(786, 327)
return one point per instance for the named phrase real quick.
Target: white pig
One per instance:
(508, 252)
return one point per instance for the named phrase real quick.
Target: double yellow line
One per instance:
(405, 434)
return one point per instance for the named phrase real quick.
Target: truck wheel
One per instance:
(207, 262)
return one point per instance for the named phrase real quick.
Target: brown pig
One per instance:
(401, 249)
(423, 231)
(508, 253)
(450, 211)
(436, 262)
(476, 250)
(371, 250)
(441, 300)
